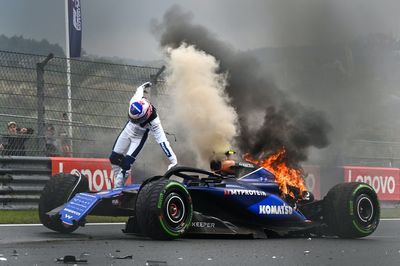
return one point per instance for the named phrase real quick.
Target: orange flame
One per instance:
(286, 176)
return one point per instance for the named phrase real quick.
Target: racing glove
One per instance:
(171, 165)
(139, 91)
(146, 85)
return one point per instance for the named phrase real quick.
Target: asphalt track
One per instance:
(107, 245)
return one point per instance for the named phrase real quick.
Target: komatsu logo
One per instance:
(275, 209)
(247, 192)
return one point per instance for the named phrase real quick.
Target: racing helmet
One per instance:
(140, 111)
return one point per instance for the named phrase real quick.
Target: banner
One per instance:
(97, 171)
(75, 28)
(313, 179)
(385, 181)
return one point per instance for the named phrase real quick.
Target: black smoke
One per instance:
(292, 126)
(286, 123)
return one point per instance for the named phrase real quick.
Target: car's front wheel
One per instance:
(58, 190)
(164, 209)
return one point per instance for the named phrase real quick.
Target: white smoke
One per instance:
(201, 106)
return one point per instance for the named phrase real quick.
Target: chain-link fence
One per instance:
(86, 104)
(73, 108)
(373, 153)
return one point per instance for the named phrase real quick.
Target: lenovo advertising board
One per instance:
(385, 181)
(97, 171)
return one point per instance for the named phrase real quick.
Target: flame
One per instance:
(286, 176)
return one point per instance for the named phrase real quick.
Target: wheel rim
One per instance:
(175, 209)
(365, 209)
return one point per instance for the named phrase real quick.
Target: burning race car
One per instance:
(236, 199)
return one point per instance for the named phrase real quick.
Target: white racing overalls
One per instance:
(132, 139)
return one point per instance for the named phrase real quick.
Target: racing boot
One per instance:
(120, 179)
(119, 182)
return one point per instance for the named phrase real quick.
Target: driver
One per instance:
(143, 119)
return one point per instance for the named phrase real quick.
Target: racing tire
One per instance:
(164, 210)
(140, 207)
(351, 210)
(58, 190)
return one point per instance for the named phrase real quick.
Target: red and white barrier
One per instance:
(385, 181)
(313, 179)
(97, 171)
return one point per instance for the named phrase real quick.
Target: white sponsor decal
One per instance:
(77, 204)
(80, 201)
(203, 225)
(76, 15)
(275, 209)
(383, 184)
(72, 211)
(248, 165)
(68, 216)
(247, 192)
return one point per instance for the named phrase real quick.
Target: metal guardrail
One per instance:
(22, 180)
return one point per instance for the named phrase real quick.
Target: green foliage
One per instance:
(31, 46)
(32, 217)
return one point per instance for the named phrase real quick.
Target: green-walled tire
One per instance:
(164, 209)
(352, 210)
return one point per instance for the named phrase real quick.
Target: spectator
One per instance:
(51, 141)
(63, 133)
(13, 143)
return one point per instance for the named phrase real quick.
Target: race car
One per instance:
(245, 201)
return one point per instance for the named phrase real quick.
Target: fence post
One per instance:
(153, 91)
(40, 104)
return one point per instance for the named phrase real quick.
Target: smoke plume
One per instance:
(253, 94)
(201, 102)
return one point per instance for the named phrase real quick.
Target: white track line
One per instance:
(8, 225)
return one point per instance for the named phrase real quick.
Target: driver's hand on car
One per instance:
(171, 165)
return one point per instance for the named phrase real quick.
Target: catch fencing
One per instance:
(373, 153)
(84, 101)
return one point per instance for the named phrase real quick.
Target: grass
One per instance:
(32, 217)
(390, 213)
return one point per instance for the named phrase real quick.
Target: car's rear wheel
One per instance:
(57, 191)
(164, 209)
(352, 210)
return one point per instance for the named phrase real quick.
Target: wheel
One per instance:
(164, 209)
(351, 210)
(57, 191)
